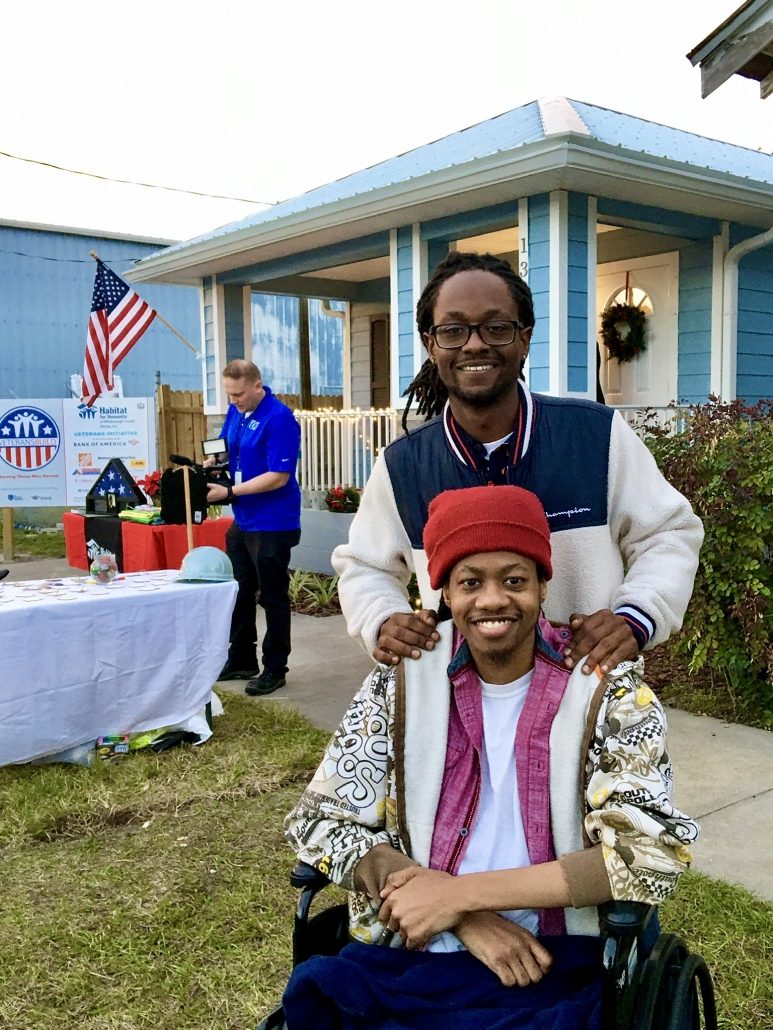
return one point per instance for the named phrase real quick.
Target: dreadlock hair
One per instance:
(427, 390)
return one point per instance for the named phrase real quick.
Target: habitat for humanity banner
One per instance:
(51, 451)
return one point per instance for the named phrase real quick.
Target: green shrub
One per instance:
(723, 463)
(314, 593)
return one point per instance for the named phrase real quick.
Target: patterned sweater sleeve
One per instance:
(342, 814)
(629, 785)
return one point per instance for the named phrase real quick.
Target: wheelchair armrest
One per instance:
(627, 928)
(324, 933)
(625, 919)
(305, 875)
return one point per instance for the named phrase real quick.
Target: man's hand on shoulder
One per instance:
(509, 950)
(603, 639)
(406, 635)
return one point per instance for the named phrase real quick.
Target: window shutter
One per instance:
(379, 363)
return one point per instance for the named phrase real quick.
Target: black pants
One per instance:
(261, 562)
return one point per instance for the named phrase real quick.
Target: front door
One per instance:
(648, 380)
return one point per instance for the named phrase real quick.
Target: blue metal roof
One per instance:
(645, 137)
(516, 128)
(506, 131)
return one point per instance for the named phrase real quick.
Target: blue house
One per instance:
(591, 206)
(46, 284)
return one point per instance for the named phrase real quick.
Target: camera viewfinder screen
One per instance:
(218, 446)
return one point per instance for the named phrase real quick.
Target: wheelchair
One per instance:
(651, 980)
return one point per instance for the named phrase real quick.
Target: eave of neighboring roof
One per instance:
(566, 153)
(72, 230)
(722, 32)
(741, 45)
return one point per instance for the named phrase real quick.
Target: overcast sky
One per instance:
(265, 99)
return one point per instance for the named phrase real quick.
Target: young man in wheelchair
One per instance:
(479, 804)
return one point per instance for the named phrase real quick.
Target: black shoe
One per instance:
(266, 683)
(237, 672)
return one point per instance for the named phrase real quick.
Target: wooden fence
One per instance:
(319, 401)
(181, 423)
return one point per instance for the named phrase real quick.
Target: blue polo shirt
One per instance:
(267, 440)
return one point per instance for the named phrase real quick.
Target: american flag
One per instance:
(119, 317)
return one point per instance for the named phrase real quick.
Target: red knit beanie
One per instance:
(484, 518)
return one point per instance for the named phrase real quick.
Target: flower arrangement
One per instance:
(343, 498)
(624, 331)
(151, 486)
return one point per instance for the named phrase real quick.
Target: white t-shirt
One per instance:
(491, 447)
(497, 840)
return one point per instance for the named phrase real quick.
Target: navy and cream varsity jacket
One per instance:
(622, 537)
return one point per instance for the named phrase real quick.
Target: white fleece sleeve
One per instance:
(657, 532)
(376, 563)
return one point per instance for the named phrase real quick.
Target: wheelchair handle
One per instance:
(306, 876)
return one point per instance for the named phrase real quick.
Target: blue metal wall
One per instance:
(46, 283)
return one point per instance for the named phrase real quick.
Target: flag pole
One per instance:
(161, 318)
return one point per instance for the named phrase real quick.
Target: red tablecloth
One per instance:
(144, 547)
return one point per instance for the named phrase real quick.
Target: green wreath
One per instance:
(624, 331)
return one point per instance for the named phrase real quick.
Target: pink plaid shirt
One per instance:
(455, 818)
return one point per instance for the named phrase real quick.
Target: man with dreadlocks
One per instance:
(625, 542)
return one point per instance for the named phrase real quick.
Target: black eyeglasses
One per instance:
(453, 335)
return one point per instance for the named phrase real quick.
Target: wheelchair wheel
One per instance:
(274, 1021)
(675, 990)
(693, 997)
(658, 976)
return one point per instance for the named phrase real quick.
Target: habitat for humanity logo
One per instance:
(29, 438)
(85, 412)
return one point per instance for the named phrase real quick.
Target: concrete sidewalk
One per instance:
(723, 772)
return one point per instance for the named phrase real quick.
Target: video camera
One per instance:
(172, 487)
(217, 472)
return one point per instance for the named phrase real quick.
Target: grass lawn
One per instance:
(37, 543)
(153, 892)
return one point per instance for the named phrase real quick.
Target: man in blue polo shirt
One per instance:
(263, 440)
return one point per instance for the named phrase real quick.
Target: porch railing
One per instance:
(666, 416)
(338, 448)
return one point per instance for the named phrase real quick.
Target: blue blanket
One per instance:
(367, 987)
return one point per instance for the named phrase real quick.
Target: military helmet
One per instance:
(206, 564)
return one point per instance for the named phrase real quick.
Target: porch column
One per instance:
(213, 336)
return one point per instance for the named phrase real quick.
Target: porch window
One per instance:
(276, 348)
(632, 295)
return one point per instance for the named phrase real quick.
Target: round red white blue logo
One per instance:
(29, 438)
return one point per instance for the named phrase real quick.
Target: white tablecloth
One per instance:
(79, 661)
